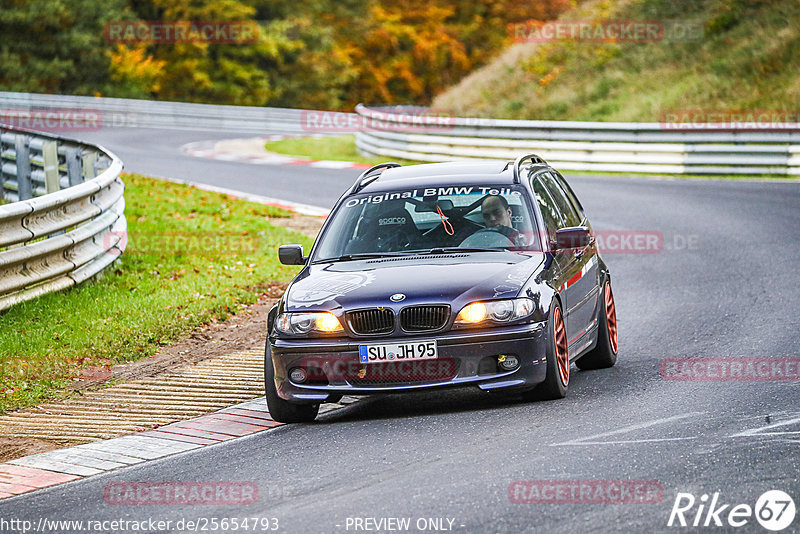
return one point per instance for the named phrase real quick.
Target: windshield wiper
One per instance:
(360, 256)
(435, 250)
(447, 250)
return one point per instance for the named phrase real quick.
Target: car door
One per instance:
(581, 288)
(564, 265)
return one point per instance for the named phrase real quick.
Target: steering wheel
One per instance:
(505, 231)
(396, 242)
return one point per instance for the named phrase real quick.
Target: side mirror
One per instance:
(573, 237)
(291, 255)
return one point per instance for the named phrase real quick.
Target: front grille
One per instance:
(405, 372)
(422, 318)
(375, 321)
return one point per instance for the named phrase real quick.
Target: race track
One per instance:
(158, 153)
(724, 285)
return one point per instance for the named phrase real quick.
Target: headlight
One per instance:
(303, 323)
(494, 311)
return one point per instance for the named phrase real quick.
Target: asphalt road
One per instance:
(158, 153)
(724, 285)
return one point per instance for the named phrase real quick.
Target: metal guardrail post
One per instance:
(50, 158)
(89, 171)
(74, 172)
(2, 180)
(22, 147)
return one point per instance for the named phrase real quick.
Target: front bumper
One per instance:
(465, 357)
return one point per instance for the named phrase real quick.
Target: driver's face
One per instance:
(494, 214)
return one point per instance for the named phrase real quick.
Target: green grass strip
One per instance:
(192, 256)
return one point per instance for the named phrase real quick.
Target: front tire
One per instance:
(556, 383)
(604, 355)
(280, 409)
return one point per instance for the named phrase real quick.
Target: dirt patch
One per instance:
(12, 448)
(305, 224)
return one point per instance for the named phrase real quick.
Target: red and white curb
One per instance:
(303, 209)
(207, 149)
(38, 471)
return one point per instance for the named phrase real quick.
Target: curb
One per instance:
(303, 209)
(51, 468)
(207, 149)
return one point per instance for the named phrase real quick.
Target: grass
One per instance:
(192, 257)
(742, 56)
(336, 148)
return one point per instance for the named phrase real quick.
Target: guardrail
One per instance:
(581, 146)
(73, 230)
(102, 112)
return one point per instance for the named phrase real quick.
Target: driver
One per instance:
(497, 214)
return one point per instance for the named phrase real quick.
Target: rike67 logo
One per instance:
(774, 510)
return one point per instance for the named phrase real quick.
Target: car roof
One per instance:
(451, 173)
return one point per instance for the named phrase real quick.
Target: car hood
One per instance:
(445, 279)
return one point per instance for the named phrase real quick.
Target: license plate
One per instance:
(399, 352)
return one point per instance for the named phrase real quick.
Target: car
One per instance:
(429, 276)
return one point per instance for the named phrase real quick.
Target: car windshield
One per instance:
(428, 219)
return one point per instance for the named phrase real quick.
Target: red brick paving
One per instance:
(16, 479)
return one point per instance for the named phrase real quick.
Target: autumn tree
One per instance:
(216, 72)
(56, 47)
(328, 54)
(384, 51)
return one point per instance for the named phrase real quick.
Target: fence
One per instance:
(65, 218)
(582, 146)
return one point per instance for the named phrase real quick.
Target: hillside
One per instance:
(745, 56)
(326, 54)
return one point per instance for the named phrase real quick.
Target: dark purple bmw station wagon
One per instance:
(440, 275)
